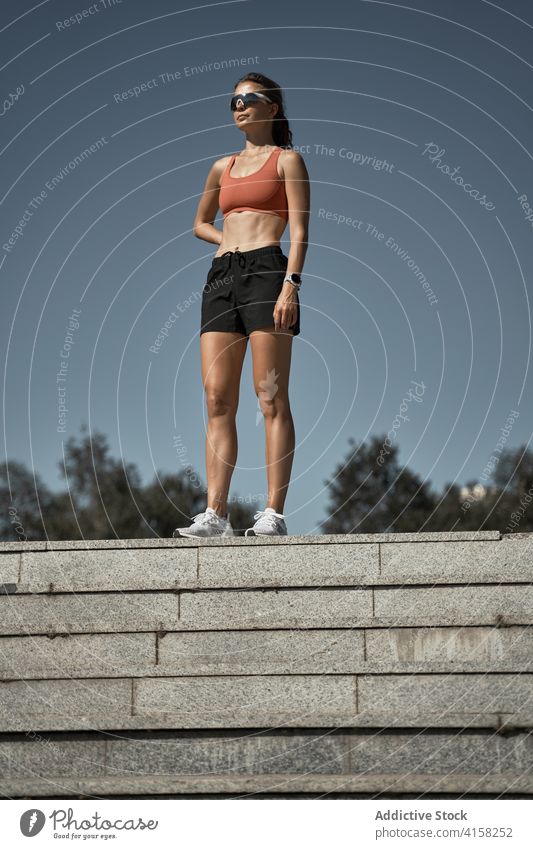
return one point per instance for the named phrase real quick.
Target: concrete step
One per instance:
(249, 563)
(418, 637)
(119, 612)
(277, 761)
(422, 699)
(264, 652)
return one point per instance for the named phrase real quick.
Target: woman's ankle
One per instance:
(222, 512)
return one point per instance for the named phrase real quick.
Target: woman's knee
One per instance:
(274, 404)
(220, 403)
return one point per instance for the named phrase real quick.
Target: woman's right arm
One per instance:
(208, 207)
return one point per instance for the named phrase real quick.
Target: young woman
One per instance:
(251, 292)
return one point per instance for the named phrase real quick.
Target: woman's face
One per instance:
(254, 113)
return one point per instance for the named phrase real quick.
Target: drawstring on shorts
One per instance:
(239, 256)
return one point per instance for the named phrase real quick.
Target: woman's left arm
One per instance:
(298, 202)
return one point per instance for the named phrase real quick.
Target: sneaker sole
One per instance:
(184, 534)
(251, 533)
(198, 536)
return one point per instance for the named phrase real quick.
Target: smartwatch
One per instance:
(295, 279)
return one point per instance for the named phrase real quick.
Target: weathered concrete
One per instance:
(281, 761)
(319, 539)
(457, 562)
(88, 613)
(107, 570)
(9, 569)
(397, 663)
(264, 652)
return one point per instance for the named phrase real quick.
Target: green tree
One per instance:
(24, 502)
(104, 499)
(370, 493)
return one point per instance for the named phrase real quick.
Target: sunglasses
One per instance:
(251, 98)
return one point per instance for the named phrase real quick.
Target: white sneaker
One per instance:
(207, 524)
(269, 523)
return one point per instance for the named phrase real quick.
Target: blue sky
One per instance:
(415, 126)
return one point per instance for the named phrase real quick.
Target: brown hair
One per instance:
(281, 132)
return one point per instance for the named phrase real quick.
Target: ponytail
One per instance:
(281, 132)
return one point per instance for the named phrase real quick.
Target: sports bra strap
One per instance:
(230, 164)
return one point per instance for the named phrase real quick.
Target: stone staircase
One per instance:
(393, 664)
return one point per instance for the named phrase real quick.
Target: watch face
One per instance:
(296, 278)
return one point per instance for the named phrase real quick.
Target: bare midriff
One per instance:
(247, 230)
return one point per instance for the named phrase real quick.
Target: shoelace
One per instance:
(269, 517)
(206, 518)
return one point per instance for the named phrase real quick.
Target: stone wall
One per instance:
(368, 664)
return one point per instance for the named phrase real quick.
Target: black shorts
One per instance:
(241, 291)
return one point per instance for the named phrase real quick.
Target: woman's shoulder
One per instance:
(289, 155)
(223, 161)
(290, 161)
(220, 165)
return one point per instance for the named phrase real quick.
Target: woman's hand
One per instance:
(286, 309)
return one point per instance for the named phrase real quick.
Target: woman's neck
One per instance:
(252, 148)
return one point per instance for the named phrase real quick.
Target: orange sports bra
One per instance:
(262, 191)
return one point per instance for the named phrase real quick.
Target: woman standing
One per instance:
(251, 292)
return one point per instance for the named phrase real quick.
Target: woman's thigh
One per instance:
(271, 362)
(222, 356)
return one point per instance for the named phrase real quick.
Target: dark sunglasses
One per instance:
(248, 99)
